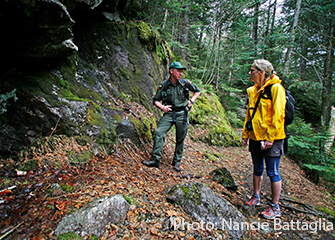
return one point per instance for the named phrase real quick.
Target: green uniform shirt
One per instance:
(174, 93)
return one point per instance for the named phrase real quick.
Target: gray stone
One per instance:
(206, 206)
(93, 217)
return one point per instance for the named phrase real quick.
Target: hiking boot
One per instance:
(153, 162)
(271, 212)
(177, 167)
(253, 201)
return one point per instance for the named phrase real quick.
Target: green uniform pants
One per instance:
(164, 125)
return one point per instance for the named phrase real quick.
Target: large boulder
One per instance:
(207, 207)
(38, 28)
(92, 218)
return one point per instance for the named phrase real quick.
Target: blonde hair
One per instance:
(262, 64)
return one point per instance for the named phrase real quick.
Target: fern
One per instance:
(4, 98)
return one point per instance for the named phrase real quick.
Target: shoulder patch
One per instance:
(159, 86)
(189, 81)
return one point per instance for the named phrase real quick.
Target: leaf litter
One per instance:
(58, 186)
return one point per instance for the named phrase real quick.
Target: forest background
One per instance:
(218, 41)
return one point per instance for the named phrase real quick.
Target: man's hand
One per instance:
(166, 108)
(190, 104)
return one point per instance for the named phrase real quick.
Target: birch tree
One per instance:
(292, 37)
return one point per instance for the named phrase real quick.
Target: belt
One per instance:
(178, 109)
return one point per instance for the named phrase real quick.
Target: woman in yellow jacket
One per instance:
(266, 132)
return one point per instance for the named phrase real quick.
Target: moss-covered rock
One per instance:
(224, 177)
(210, 123)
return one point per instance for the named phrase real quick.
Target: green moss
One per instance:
(325, 210)
(68, 236)
(28, 165)
(119, 33)
(130, 199)
(150, 37)
(94, 118)
(143, 132)
(209, 156)
(107, 137)
(144, 32)
(118, 118)
(66, 188)
(137, 95)
(75, 158)
(125, 72)
(192, 195)
(209, 114)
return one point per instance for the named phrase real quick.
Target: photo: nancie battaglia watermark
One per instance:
(278, 225)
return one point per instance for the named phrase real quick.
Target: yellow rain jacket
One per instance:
(268, 122)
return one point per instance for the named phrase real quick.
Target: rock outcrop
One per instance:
(78, 72)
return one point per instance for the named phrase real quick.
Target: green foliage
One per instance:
(304, 143)
(4, 99)
(307, 147)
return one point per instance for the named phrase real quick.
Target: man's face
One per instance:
(176, 73)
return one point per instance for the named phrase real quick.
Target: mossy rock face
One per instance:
(126, 54)
(224, 177)
(210, 123)
(78, 95)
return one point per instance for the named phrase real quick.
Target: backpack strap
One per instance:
(165, 83)
(256, 105)
(267, 92)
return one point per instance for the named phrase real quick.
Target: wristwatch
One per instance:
(191, 101)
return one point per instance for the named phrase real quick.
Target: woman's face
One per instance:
(255, 74)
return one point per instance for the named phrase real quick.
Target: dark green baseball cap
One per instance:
(177, 65)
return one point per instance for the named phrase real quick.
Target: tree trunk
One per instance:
(289, 49)
(270, 29)
(331, 131)
(255, 27)
(327, 83)
(165, 17)
(185, 33)
(219, 60)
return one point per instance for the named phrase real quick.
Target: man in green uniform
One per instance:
(172, 98)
